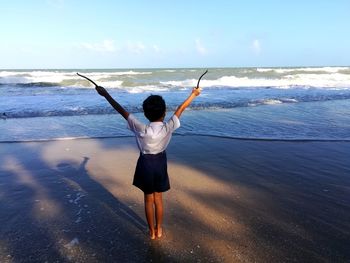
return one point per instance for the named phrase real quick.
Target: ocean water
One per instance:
(305, 103)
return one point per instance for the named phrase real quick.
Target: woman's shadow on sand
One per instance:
(98, 193)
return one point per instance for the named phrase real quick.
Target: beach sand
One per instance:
(230, 201)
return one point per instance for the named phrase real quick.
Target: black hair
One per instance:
(154, 107)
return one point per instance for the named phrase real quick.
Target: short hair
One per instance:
(154, 107)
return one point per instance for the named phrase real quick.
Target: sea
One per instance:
(284, 103)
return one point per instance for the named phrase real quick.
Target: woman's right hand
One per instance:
(196, 91)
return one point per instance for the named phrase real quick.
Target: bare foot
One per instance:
(152, 234)
(159, 232)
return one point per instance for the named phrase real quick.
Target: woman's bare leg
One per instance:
(158, 201)
(149, 211)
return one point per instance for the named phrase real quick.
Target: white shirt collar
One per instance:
(156, 123)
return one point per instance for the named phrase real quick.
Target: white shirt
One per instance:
(154, 137)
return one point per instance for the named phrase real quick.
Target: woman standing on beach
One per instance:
(151, 175)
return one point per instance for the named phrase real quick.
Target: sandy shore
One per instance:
(231, 201)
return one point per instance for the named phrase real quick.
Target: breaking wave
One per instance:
(166, 79)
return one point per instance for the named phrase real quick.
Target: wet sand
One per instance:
(231, 201)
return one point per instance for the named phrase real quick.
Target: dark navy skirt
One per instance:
(151, 174)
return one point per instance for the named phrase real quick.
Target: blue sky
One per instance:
(142, 34)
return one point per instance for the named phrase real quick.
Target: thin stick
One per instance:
(87, 79)
(200, 78)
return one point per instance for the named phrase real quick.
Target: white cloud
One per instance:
(156, 48)
(200, 48)
(136, 48)
(104, 46)
(256, 46)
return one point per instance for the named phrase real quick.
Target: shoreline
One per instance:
(230, 201)
(296, 140)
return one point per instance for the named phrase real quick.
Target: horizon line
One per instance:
(137, 68)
